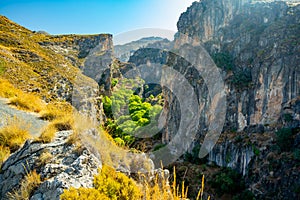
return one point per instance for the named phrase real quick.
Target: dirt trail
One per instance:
(7, 112)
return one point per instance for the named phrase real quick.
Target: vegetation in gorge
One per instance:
(129, 114)
(223, 61)
(228, 181)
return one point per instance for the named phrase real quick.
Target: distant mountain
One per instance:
(123, 52)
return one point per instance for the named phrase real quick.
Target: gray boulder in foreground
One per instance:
(65, 166)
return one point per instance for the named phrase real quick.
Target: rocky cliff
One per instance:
(60, 164)
(258, 54)
(91, 53)
(258, 59)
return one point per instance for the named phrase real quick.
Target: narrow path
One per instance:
(7, 112)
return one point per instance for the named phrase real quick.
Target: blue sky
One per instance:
(94, 16)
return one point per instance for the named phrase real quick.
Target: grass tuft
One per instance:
(14, 134)
(61, 117)
(7, 90)
(44, 158)
(47, 134)
(28, 102)
(55, 110)
(20, 99)
(4, 154)
(28, 185)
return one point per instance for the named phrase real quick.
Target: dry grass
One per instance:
(20, 99)
(61, 124)
(12, 137)
(161, 189)
(55, 110)
(4, 154)
(64, 123)
(7, 90)
(74, 138)
(47, 134)
(30, 182)
(111, 154)
(62, 118)
(28, 102)
(14, 134)
(44, 158)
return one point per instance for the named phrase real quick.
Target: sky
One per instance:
(94, 16)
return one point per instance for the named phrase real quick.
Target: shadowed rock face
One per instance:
(66, 167)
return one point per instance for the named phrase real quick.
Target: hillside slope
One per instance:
(44, 64)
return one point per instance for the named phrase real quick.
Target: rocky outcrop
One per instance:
(231, 155)
(76, 47)
(258, 58)
(92, 54)
(65, 166)
(263, 71)
(203, 21)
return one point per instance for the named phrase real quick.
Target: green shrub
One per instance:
(242, 79)
(114, 82)
(107, 104)
(228, 181)
(245, 195)
(193, 156)
(296, 154)
(256, 151)
(238, 139)
(223, 61)
(284, 139)
(119, 141)
(159, 146)
(141, 113)
(288, 117)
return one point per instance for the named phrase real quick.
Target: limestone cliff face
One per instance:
(256, 47)
(91, 53)
(259, 58)
(203, 20)
(264, 51)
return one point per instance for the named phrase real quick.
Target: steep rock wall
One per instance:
(258, 57)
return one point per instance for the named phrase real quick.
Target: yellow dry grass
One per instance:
(7, 90)
(14, 133)
(162, 190)
(62, 118)
(55, 110)
(27, 102)
(20, 99)
(4, 154)
(44, 158)
(30, 182)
